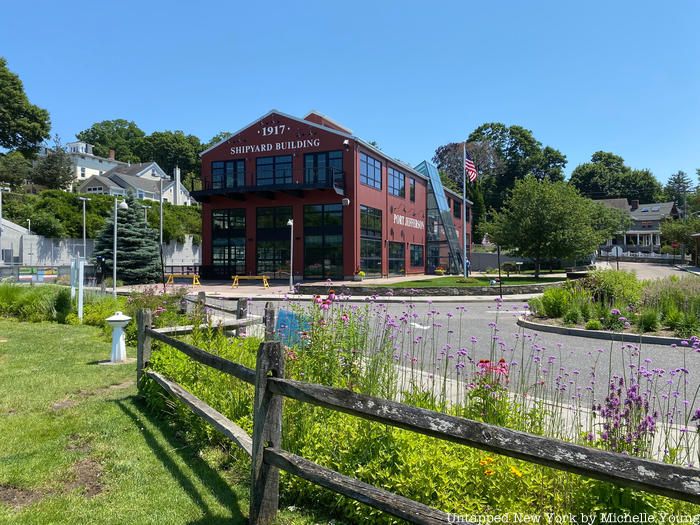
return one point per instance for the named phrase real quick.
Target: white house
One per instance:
(144, 180)
(86, 164)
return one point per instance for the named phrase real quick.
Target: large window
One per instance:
(397, 258)
(457, 209)
(323, 241)
(416, 255)
(227, 174)
(370, 171)
(370, 240)
(412, 189)
(273, 170)
(323, 167)
(272, 247)
(228, 242)
(397, 183)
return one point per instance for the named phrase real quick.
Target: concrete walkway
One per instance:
(254, 290)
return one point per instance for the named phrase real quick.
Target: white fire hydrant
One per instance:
(118, 321)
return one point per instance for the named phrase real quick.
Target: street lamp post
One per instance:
(2, 189)
(84, 199)
(290, 223)
(29, 227)
(124, 206)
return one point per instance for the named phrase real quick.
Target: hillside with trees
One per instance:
(57, 213)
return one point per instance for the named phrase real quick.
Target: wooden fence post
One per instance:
(242, 313)
(143, 345)
(269, 319)
(267, 432)
(202, 299)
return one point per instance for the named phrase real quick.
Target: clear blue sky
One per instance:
(621, 76)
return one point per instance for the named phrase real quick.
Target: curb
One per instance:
(598, 334)
(386, 298)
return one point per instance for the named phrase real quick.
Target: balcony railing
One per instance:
(316, 178)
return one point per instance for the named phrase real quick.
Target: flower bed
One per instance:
(618, 302)
(430, 360)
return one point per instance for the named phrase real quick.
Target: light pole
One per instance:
(84, 199)
(290, 223)
(124, 206)
(2, 189)
(29, 223)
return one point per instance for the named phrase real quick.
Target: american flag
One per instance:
(469, 166)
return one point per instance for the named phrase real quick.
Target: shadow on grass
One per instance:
(210, 478)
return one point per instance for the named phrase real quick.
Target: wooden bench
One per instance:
(237, 278)
(193, 276)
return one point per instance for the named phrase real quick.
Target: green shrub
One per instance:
(613, 287)
(536, 306)
(689, 325)
(673, 318)
(648, 320)
(555, 302)
(63, 305)
(572, 316)
(594, 324)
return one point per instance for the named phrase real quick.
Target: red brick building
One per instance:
(353, 208)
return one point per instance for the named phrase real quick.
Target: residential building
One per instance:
(644, 235)
(86, 164)
(143, 180)
(342, 204)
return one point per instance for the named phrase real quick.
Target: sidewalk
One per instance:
(277, 292)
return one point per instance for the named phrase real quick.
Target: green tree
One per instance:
(15, 169)
(138, 254)
(23, 126)
(123, 136)
(607, 177)
(219, 137)
(545, 220)
(55, 170)
(678, 187)
(680, 231)
(502, 155)
(170, 149)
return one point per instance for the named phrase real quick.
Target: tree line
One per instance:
(505, 154)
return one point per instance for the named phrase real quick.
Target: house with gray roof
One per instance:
(644, 235)
(145, 180)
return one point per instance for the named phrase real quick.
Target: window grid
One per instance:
(370, 171)
(397, 183)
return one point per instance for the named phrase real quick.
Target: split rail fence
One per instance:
(264, 446)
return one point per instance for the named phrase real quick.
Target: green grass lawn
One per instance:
(78, 447)
(461, 282)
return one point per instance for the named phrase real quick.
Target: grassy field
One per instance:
(461, 282)
(78, 447)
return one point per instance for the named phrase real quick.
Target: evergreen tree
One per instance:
(138, 254)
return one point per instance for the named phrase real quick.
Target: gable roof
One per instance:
(102, 179)
(134, 169)
(324, 128)
(139, 183)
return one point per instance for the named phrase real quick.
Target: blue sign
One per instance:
(288, 327)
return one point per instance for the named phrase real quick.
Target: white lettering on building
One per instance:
(276, 146)
(409, 222)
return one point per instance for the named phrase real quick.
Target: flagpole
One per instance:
(464, 210)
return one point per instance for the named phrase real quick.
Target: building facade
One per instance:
(342, 204)
(86, 164)
(644, 234)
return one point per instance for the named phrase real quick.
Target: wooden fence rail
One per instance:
(268, 458)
